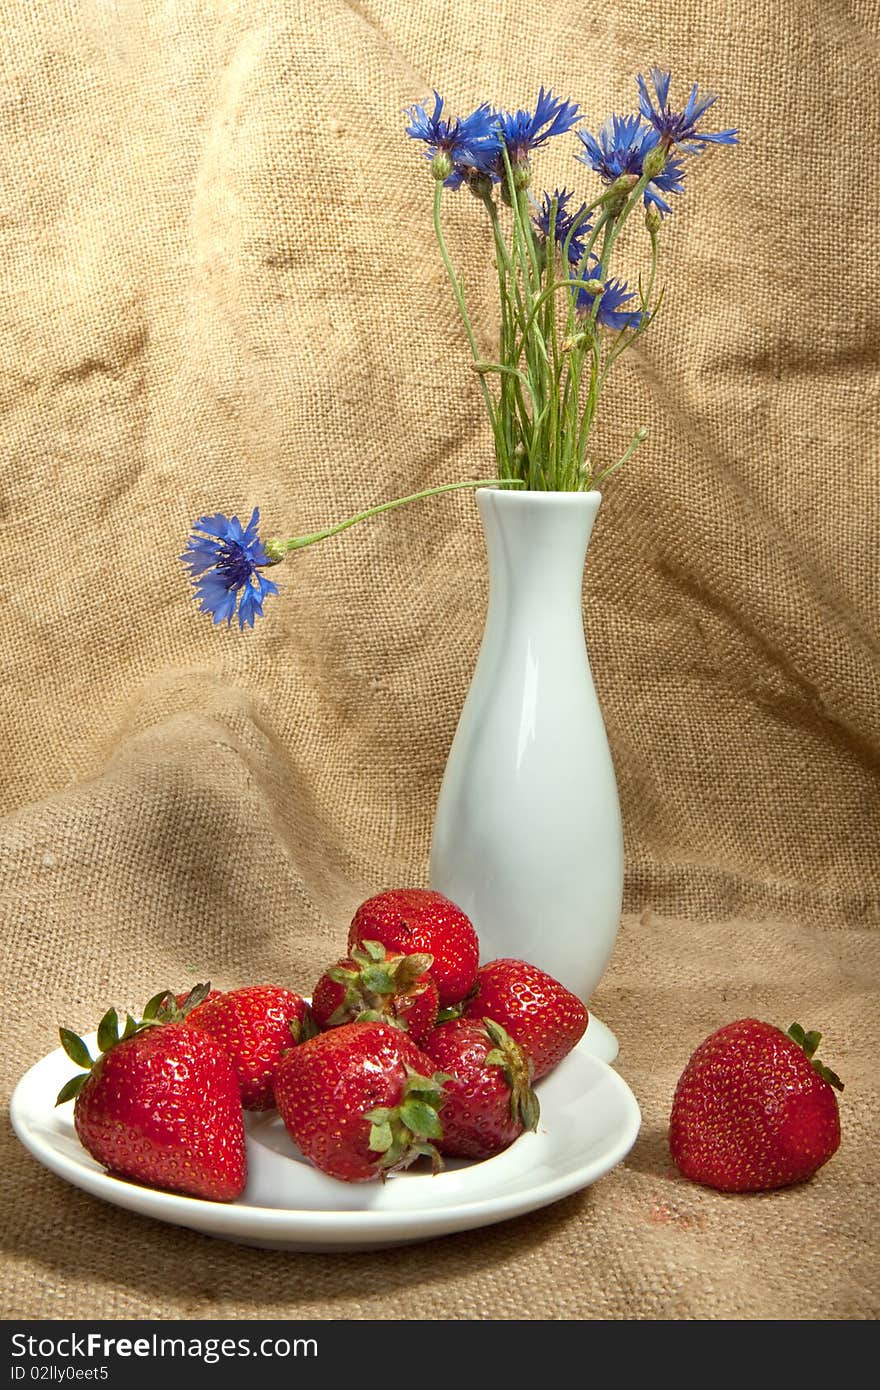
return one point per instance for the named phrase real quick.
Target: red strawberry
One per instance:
(416, 919)
(160, 1106)
(544, 1017)
(254, 1026)
(360, 1101)
(378, 985)
(489, 1097)
(753, 1110)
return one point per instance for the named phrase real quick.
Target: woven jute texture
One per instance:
(220, 289)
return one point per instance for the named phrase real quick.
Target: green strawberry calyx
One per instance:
(450, 1012)
(301, 1029)
(810, 1043)
(517, 1067)
(162, 1008)
(399, 1134)
(371, 984)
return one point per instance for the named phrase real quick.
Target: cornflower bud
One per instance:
(620, 190)
(275, 551)
(654, 162)
(481, 186)
(625, 184)
(652, 220)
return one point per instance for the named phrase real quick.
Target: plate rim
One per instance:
(240, 1220)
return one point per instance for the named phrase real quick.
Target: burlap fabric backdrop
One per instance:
(220, 289)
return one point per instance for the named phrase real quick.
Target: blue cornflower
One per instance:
(611, 301)
(679, 127)
(523, 131)
(563, 222)
(467, 144)
(619, 147)
(223, 558)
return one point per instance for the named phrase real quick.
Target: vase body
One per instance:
(527, 836)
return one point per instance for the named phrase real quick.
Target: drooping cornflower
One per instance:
(524, 131)
(466, 145)
(563, 223)
(611, 301)
(679, 127)
(619, 147)
(224, 558)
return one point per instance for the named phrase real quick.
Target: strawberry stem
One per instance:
(507, 1054)
(810, 1042)
(371, 982)
(400, 1134)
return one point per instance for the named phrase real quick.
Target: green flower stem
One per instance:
(580, 219)
(525, 419)
(522, 207)
(465, 317)
(505, 266)
(597, 376)
(601, 273)
(276, 549)
(509, 318)
(534, 270)
(578, 370)
(515, 416)
(601, 223)
(617, 223)
(595, 350)
(539, 303)
(597, 379)
(626, 337)
(638, 438)
(519, 248)
(505, 370)
(655, 251)
(550, 335)
(537, 362)
(592, 401)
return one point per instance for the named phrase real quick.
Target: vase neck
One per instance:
(537, 543)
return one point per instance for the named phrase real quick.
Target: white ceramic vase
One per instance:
(527, 836)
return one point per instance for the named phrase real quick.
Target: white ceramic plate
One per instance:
(589, 1122)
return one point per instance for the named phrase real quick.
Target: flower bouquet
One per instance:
(527, 837)
(566, 316)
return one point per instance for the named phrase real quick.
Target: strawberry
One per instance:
(489, 1097)
(360, 1101)
(544, 1017)
(254, 1026)
(379, 985)
(754, 1110)
(159, 1105)
(416, 919)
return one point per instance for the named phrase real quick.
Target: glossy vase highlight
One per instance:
(527, 836)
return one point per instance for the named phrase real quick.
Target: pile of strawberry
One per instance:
(408, 1049)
